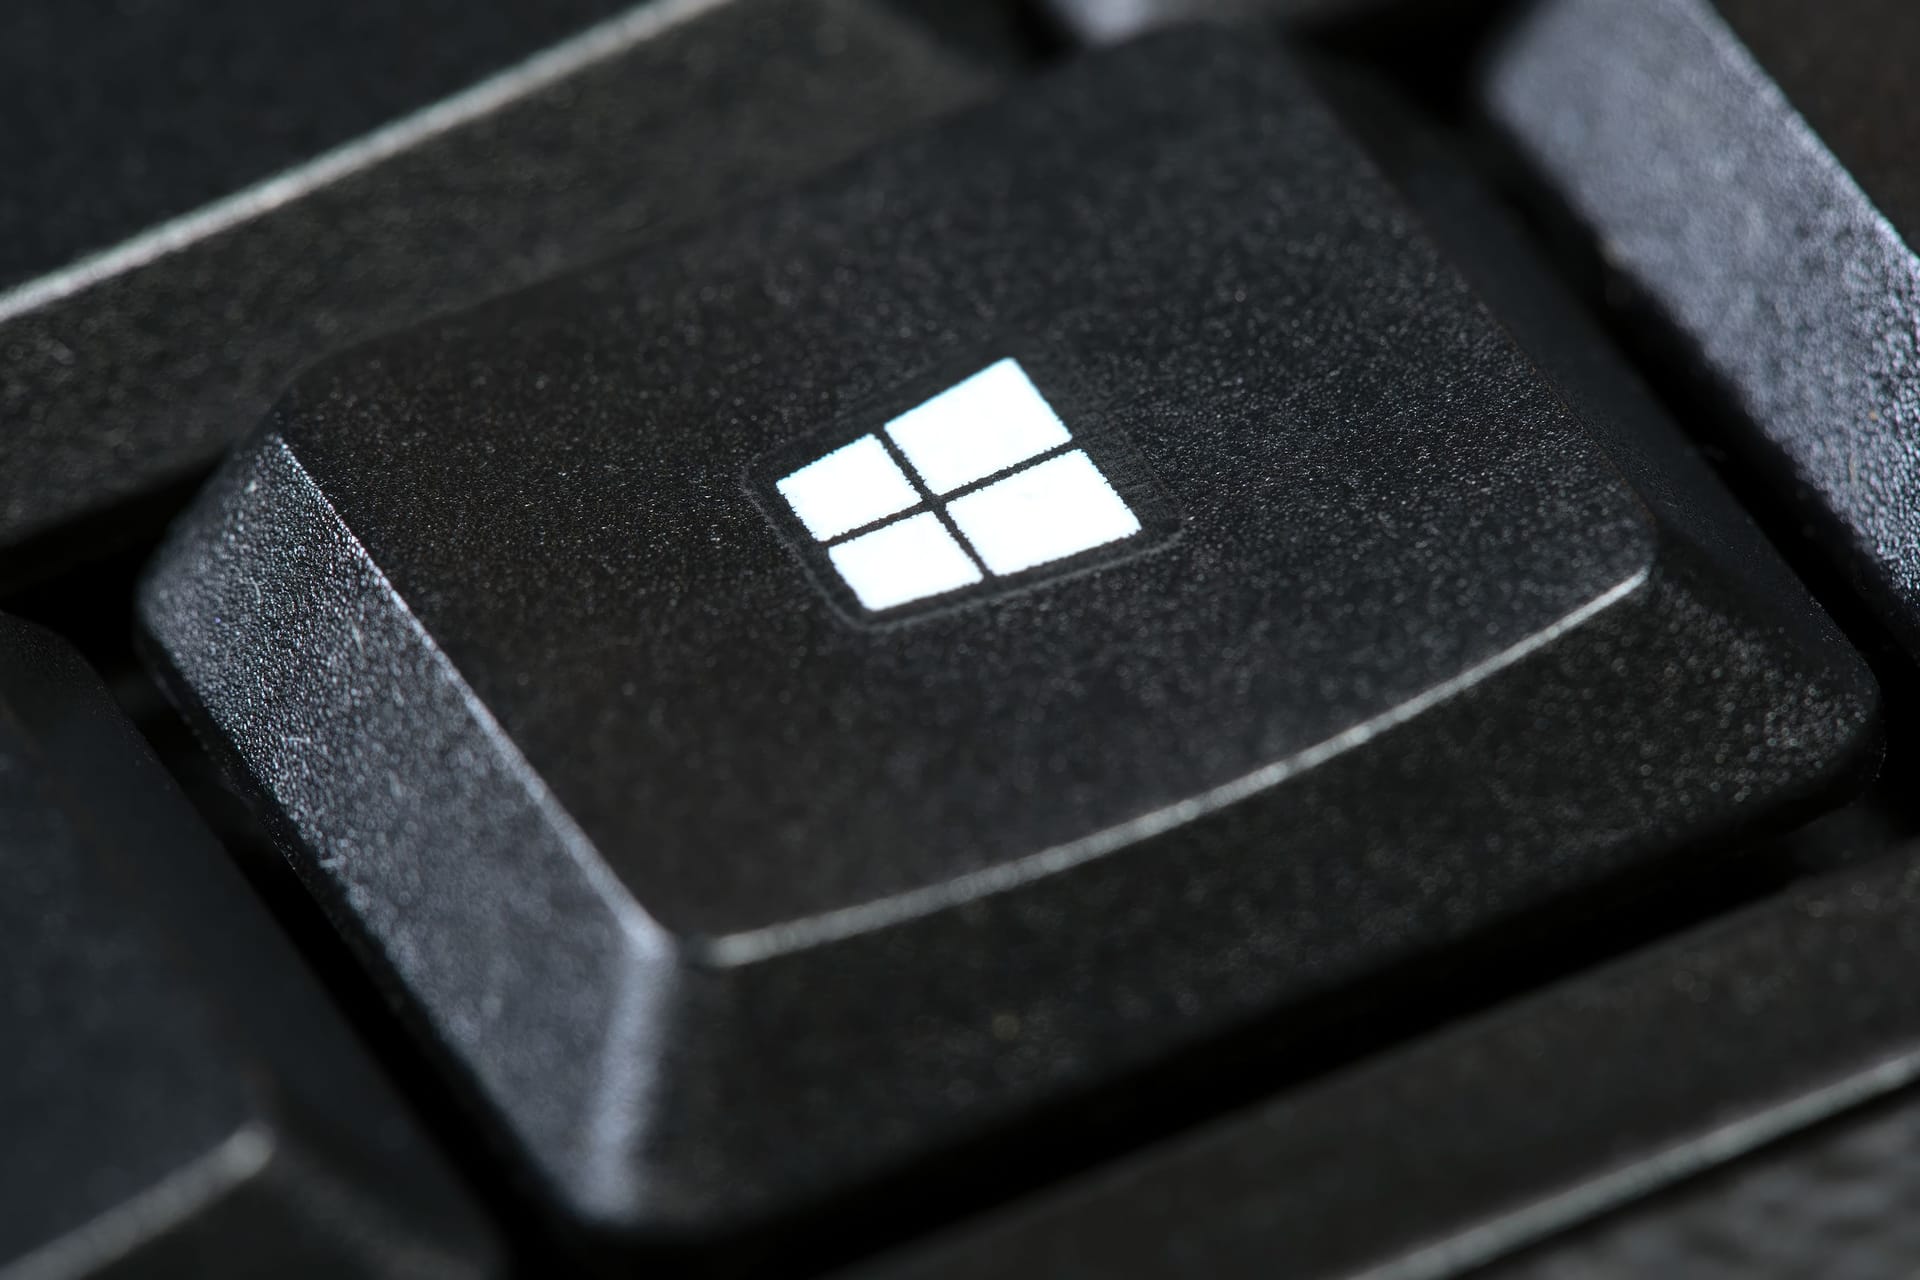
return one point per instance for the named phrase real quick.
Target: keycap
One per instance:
(1084, 580)
(1831, 1204)
(264, 184)
(1735, 1102)
(1739, 167)
(179, 1096)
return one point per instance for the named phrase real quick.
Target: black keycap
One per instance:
(1742, 168)
(1832, 1204)
(1078, 582)
(178, 1097)
(1655, 1072)
(235, 189)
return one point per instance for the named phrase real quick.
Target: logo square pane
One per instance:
(1047, 512)
(850, 487)
(905, 561)
(980, 425)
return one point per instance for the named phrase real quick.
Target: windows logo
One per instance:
(978, 485)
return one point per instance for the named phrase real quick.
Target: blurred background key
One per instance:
(265, 183)
(1741, 173)
(178, 1098)
(1750, 1084)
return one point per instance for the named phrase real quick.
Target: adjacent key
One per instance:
(1742, 167)
(1832, 1203)
(1679, 1070)
(234, 190)
(1078, 583)
(179, 1097)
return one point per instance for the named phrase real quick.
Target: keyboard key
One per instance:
(1320, 634)
(211, 98)
(1658, 1071)
(1741, 167)
(1832, 1204)
(266, 184)
(179, 1098)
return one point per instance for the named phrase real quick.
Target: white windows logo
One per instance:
(980, 484)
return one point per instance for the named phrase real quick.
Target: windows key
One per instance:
(975, 486)
(1105, 573)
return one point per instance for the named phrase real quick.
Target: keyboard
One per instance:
(875, 639)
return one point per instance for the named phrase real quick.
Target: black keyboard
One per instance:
(878, 639)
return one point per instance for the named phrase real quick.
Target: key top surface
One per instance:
(1741, 168)
(253, 223)
(1282, 624)
(179, 1098)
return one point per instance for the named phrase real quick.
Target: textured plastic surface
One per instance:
(718, 901)
(165, 1055)
(1719, 207)
(124, 371)
(1836, 1205)
(122, 116)
(1431, 1160)
(1847, 69)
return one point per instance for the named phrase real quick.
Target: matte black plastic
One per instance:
(125, 371)
(1771, 273)
(178, 1097)
(1834, 1204)
(122, 116)
(1431, 1160)
(720, 901)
